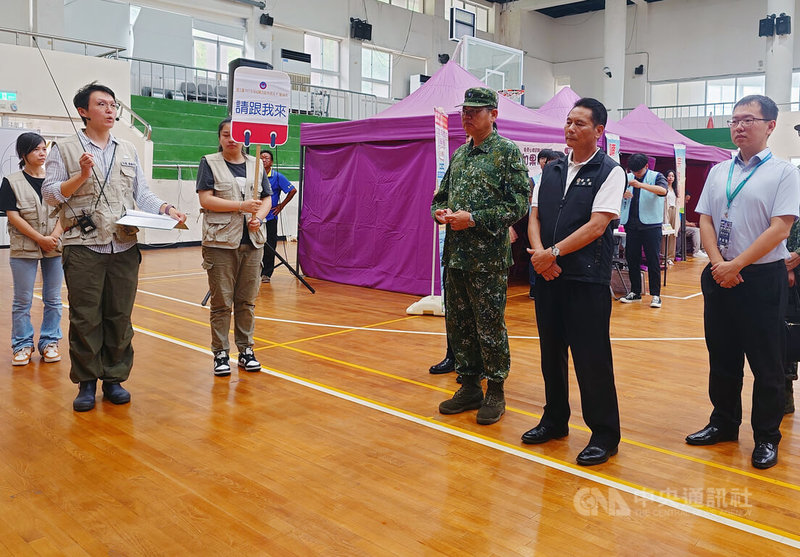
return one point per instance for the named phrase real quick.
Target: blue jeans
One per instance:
(23, 272)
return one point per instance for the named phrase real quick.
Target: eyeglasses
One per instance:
(103, 105)
(472, 111)
(746, 122)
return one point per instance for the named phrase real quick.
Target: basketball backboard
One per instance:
(498, 66)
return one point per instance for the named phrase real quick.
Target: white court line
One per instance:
(689, 297)
(406, 332)
(467, 436)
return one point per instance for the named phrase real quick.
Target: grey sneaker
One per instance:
(631, 298)
(655, 302)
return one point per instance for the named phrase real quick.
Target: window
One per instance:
(214, 52)
(324, 60)
(375, 72)
(482, 15)
(710, 96)
(413, 5)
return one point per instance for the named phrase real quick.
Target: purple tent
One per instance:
(641, 131)
(555, 111)
(368, 184)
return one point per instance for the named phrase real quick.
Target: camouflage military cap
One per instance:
(479, 96)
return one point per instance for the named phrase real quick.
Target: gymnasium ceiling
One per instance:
(561, 8)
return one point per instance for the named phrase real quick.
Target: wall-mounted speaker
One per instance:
(360, 29)
(266, 19)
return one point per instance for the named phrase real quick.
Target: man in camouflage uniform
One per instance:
(484, 191)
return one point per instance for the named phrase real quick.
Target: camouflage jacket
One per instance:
(491, 182)
(793, 241)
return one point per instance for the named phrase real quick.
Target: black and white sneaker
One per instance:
(631, 298)
(222, 366)
(247, 360)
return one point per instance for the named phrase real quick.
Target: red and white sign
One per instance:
(260, 106)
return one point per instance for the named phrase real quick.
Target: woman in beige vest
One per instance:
(233, 244)
(34, 239)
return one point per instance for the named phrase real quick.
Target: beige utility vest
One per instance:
(224, 230)
(36, 214)
(104, 209)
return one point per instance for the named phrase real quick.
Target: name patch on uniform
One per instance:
(584, 182)
(128, 163)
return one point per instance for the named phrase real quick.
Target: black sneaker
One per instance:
(247, 360)
(222, 367)
(631, 298)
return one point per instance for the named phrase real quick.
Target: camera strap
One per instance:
(101, 193)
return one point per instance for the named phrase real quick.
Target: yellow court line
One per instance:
(579, 471)
(339, 332)
(515, 410)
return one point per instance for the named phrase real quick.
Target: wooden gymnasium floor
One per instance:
(336, 448)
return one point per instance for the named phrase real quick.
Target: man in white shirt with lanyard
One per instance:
(746, 209)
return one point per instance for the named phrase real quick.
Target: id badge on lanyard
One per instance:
(726, 224)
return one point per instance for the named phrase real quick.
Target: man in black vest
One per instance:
(571, 239)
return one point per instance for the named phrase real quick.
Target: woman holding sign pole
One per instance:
(233, 242)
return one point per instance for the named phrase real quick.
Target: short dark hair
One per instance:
(27, 144)
(769, 109)
(268, 152)
(599, 112)
(548, 154)
(81, 98)
(637, 162)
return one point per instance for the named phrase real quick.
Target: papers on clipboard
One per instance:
(140, 219)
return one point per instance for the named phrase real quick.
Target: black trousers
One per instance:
(575, 315)
(650, 240)
(268, 261)
(747, 320)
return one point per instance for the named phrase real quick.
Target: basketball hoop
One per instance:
(512, 94)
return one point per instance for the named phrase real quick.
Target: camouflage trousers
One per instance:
(476, 327)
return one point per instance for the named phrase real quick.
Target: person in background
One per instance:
(792, 307)
(642, 216)
(93, 178)
(670, 205)
(34, 240)
(232, 246)
(278, 183)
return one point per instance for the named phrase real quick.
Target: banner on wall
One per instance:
(612, 146)
(530, 152)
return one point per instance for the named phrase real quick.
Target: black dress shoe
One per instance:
(543, 434)
(711, 435)
(85, 399)
(765, 455)
(595, 454)
(445, 366)
(115, 393)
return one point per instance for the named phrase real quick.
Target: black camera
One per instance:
(84, 220)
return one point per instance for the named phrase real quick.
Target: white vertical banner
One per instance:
(530, 153)
(432, 303)
(612, 146)
(680, 169)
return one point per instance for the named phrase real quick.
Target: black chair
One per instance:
(222, 94)
(206, 92)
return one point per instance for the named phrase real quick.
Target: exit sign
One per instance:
(8, 95)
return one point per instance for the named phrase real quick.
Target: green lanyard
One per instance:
(732, 196)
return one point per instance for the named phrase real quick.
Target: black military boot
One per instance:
(494, 404)
(85, 399)
(468, 397)
(789, 404)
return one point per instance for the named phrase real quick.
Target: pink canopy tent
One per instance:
(368, 184)
(641, 131)
(554, 112)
